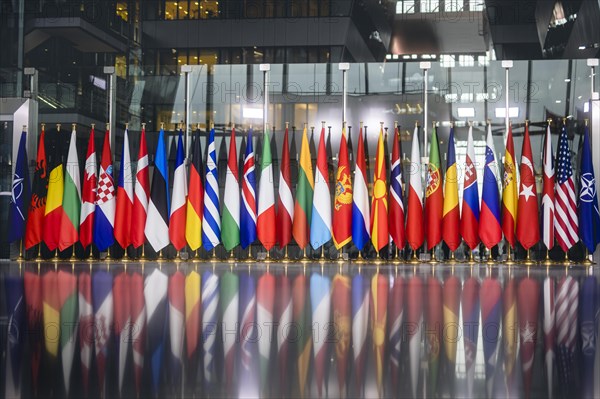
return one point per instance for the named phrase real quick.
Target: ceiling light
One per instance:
(513, 112)
(581, 47)
(468, 112)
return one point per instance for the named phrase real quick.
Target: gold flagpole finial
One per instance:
(162, 125)
(585, 122)
(94, 125)
(73, 125)
(126, 125)
(24, 128)
(323, 124)
(549, 120)
(361, 124)
(250, 126)
(395, 124)
(305, 125)
(564, 121)
(470, 123)
(527, 122)
(107, 126)
(451, 123)
(233, 126)
(43, 126)
(416, 123)
(143, 125)
(58, 127)
(212, 125)
(434, 124)
(198, 126)
(287, 125)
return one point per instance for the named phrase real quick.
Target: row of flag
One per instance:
(229, 334)
(65, 208)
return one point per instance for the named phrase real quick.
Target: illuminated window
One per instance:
(405, 7)
(209, 9)
(122, 10)
(430, 5)
(447, 61)
(207, 57)
(452, 5)
(121, 66)
(171, 10)
(476, 5)
(466, 60)
(483, 60)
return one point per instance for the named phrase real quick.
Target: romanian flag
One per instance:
(54, 210)
(451, 214)
(342, 205)
(304, 196)
(434, 197)
(320, 224)
(39, 190)
(379, 217)
(414, 217)
(510, 193)
(195, 199)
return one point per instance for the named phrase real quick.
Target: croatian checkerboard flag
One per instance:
(105, 200)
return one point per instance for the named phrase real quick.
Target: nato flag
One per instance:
(20, 194)
(589, 216)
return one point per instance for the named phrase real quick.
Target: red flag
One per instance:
(138, 327)
(342, 205)
(39, 191)
(379, 302)
(33, 300)
(285, 201)
(433, 331)
(528, 302)
(141, 195)
(88, 194)
(342, 320)
(396, 313)
(527, 211)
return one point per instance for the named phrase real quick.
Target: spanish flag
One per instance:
(195, 198)
(54, 209)
(379, 206)
(451, 215)
(510, 193)
(304, 195)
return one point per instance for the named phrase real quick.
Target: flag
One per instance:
(510, 329)
(304, 196)
(39, 191)
(549, 333)
(124, 205)
(15, 306)
(53, 210)
(587, 206)
(122, 316)
(361, 218)
(469, 219)
(248, 210)
(211, 221)
(71, 201)
(195, 198)
(451, 211)
(267, 231)
(177, 217)
(67, 297)
(102, 303)
(342, 204)
(341, 305)
(528, 297)
(528, 203)
(283, 306)
(547, 226)
(414, 318)
(510, 196)
(320, 225)
(414, 221)
(157, 222)
(142, 193)
(230, 220)
(434, 197)
(565, 217)
(51, 319)
(451, 330)
(589, 307)
(248, 338)
(396, 211)
(105, 200)
(20, 193)
(433, 326)
(138, 327)
(567, 308)
(210, 303)
(320, 287)
(301, 318)
(155, 297)
(176, 293)
(229, 303)
(192, 325)
(360, 323)
(490, 297)
(88, 194)
(470, 317)
(87, 329)
(379, 303)
(396, 317)
(379, 218)
(285, 201)
(33, 300)
(265, 301)
(490, 230)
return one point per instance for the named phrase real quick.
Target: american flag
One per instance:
(565, 221)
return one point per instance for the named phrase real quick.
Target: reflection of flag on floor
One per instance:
(528, 301)
(51, 325)
(396, 317)
(360, 324)
(102, 302)
(320, 287)
(122, 302)
(86, 328)
(302, 320)
(491, 312)
(342, 313)
(138, 327)
(229, 303)
(549, 333)
(433, 337)
(451, 329)
(210, 303)
(176, 293)
(192, 326)
(155, 296)
(284, 317)
(265, 301)
(33, 300)
(67, 296)
(567, 307)
(15, 305)
(379, 302)
(470, 315)
(248, 338)
(510, 330)
(414, 318)
(589, 307)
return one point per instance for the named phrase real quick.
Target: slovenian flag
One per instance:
(490, 230)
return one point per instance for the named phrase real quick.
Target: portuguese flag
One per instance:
(304, 195)
(434, 198)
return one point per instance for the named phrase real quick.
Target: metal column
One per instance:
(344, 67)
(506, 65)
(112, 99)
(187, 69)
(425, 66)
(595, 130)
(265, 68)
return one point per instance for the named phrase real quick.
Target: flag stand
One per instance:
(267, 257)
(160, 256)
(509, 261)
(286, 258)
(231, 258)
(586, 259)
(359, 258)
(548, 261)
(471, 257)
(528, 260)
(143, 257)
(490, 259)
(55, 258)
(178, 258)
(304, 258)
(213, 257)
(567, 260)
(396, 258)
(433, 259)
(414, 259)
(20, 258)
(73, 259)
(452, 257)
(39, 254)
(125, 258)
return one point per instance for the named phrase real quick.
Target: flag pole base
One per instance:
(433, 259)
(452, 259)
(213, 256)
(231, 258)
(267, 256)
(55, 258)
(196, 257)
(160, 257)
(414, 260)
(586, 260)
(178, 257)
(359, 259)
(397, 259)
(286, 258)
(39, 258)
(490, 259)
(548, 261)
(471, 260)
(304, 258)
(528, 261)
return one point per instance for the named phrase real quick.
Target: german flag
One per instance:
(195, 199)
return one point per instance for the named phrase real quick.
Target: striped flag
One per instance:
(587, 206)
(283, 305)
(71, 202)
(67, 296)
(510, 329)
(414, 318)
(360, 323)
(192, 327)
(342, 204)
(265, 301)
(39, 191)
(15, 305)
(53, 210)
(451, 211)
(470, 316)
(88, 194)
(301, 318)
(176, 293)
(33, 300)
(549, 333)
(248, 209)
(51, 306)
(396, 210)
(157, 222)
(491, 311)
(122, 315)
(379, 302)
(589, 309)
(138, 327)
(565, 217)
(396, 317)
(361, 218)
(528, 203)
(567, 308)
(229, 303)
(142, 194)
(528, 301)
(86, 328)
(451, 331)
(341, 317)
(510, 195)
(248, 337)
(102, 303)
(490, 230)
(266, 230)
(320, 287)
(210, 304)
(155, 297)
(124, 205)
(547, 227)
(434, 197)
(469, 219)
(177, 216)
(211, 221)
(195, 198)
(104, 217)
(414, 218)
(320, 225)
(230, 220)
(304, 196)
(379, 218)
(285, 201)
(433, 338)
(19, 193)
